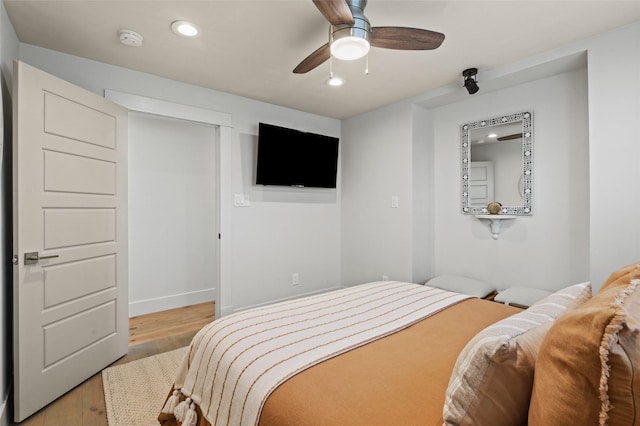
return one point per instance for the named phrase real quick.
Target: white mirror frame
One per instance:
(526, 209)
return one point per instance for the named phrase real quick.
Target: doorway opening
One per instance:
(173, 223)
(208, 206)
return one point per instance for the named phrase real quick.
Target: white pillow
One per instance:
(464, 285)
(523, 296)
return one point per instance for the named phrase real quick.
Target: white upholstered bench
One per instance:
(464, 285)
(521, 297)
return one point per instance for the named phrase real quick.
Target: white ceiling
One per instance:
(250, 48)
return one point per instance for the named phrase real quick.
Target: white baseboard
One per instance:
(4, 411)
(226, 310)
(173, 301)
(298, 296)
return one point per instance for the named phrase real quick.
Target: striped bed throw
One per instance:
(234, 363)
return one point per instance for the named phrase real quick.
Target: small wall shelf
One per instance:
(495, 222)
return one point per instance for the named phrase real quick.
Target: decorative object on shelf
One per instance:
(495, 222)
(497, 163)
(494, 207)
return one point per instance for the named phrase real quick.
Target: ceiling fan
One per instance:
(351, 35)
(510, 137)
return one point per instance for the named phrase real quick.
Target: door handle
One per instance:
(33, 257)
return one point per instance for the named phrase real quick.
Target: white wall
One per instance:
(588, 226)
(173, 229)
(376, 165)
(285, 230)
(614, 111)
(9, 46)
(6, 293)
(8, 52)
(423, 186)
(397, 149)
(549, 249)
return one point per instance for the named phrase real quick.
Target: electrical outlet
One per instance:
(385, 278)
(295, 278)
(241, 200)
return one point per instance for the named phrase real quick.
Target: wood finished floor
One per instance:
(148, 335)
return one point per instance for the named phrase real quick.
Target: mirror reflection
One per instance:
(497, 164)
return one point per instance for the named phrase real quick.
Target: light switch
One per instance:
(394, 201)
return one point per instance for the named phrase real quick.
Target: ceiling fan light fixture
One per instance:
(350, 48)
(351, 42)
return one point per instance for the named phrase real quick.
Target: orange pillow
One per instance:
(634, 269)
(588, 367)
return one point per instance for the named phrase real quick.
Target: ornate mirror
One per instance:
(497, 164)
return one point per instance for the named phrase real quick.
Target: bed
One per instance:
(401, 354)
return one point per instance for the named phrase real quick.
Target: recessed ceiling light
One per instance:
(184, 28)
(492, 135)
(335, 81)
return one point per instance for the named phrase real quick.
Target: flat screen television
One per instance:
(289, 157)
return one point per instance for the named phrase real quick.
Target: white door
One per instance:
(70, 211)
(481, 185)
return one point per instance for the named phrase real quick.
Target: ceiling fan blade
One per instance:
(403, 38)
(335, 11)
(316, 58)
(509, 137)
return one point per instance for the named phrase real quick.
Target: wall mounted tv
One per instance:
(289, 157)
